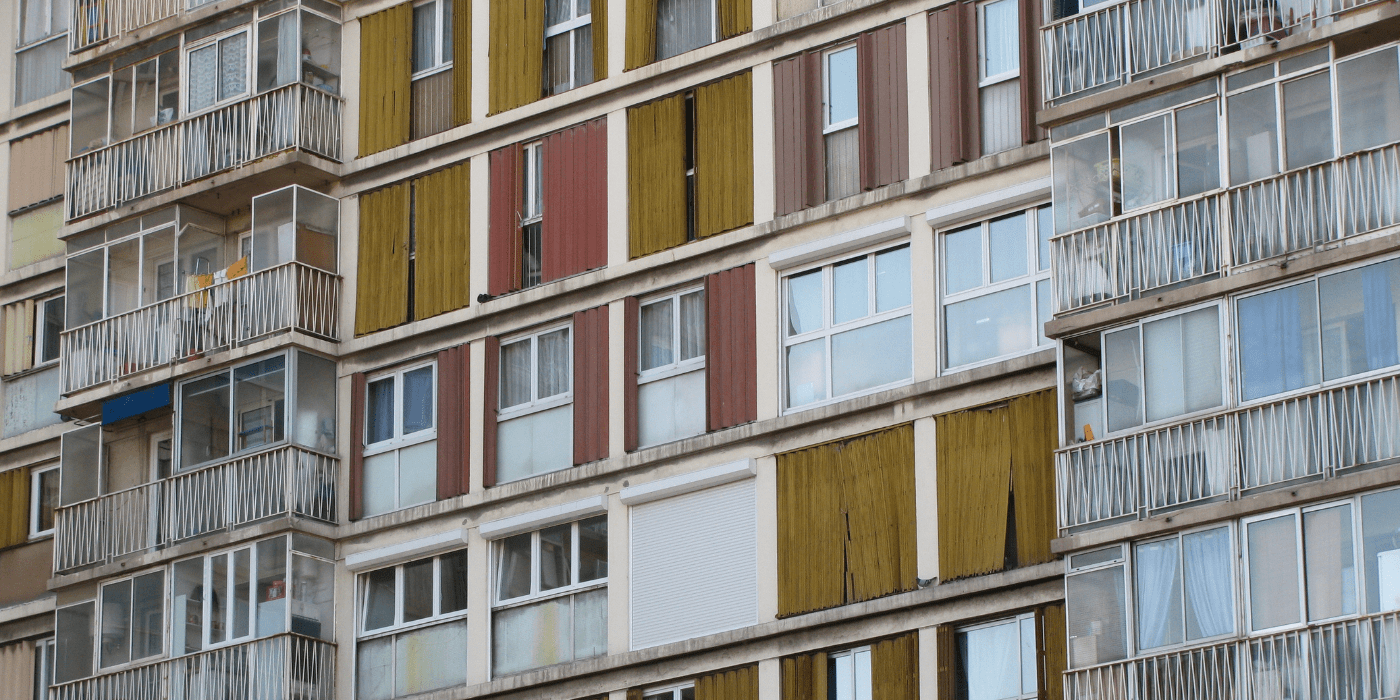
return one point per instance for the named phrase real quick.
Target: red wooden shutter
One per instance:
(731, 361)
(453, 421)
(492, 385)
(574, 233)
(503, 248)
(812, 129)
(590, 385)
(971, 97)
(884, 107)
(790, 140)
(631, 310)
(955, 130)
(1030, 70)
(357, 445)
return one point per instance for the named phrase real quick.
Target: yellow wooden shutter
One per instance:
(599, 22)
(1034, 439)
(14, 507)
(381, 297)
(894, 668)
(1052, 633)
(516, 53)
(641, 34)
(973, 474)
(735, 18)
(461, 64)
(19, 336)
(386, 45)
(811, 534)
(656, 176)
(734, 684)
(724, 155)
(946, 651)
(442, 232)
(804, 677)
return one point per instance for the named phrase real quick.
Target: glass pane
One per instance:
(557, 12)
(591, 624)
(271, 588)
(1329, 562)
(593, 549)
(850, 298)
(1368, 100)
(379, 423)
(187, 607)
(315, 403)
(1096, 615)
(241, 604)
(320, 51)
(123, 97)
(84, 298)
(80, 451)
(962, 259)
(417, 590)
(531, 636)
(1210, 591)
(1030, 668)
(1273, 572)
(989, 326)
(116, 624)
(513, 567)
(871, 356)
(418, 474)
(313, 597)
(1082, 184)
(1360, 319)
(168, 88)
(1253, 130)
(554, 363)
(515, 374)
(671, 409)
(39, 71)
(277, 51)
(1307, 119)
(842, 678)
(381, 475)
(692, 325)
(583, 55)
(424, 36)
(841, 86)
(48, 498)
(204, 430)
(1145, 173)
(991, 661)
(218, 599)
(123, 277)
(1043, 307)
(842, 163)
(682, 25)
(418, 400)
(430, 658)
(73, 633)
(374, 669)
(1197, 149)
(657, 334)
(558, 60)
(1278, 341)
(452, 582)
(158, 267)
(233, 66)
(556, 555)
(1123, 378)
(1045, 230)
(260, 403)
(892, 280)
(203, 80)
(804, 293)
(1008, 243)
(1000, 47)
(1380, 534)
(1158, 579)
(1181, 363)
(806, 368)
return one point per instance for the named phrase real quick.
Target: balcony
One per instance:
(97, 21)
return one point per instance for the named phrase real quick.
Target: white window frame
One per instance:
(827, 126)
(40, 337)
(1016, 620)
(398, 625)
(984, 80)
(677, 366)
(532, 184)
(829, 329)
(833, 656)
(1243, 592)
(36, 496)
(536, 595)
(670, 691)
(441, 61)
(289, 388)
(399, 440)
(1122, 561)
(43, 668)
(537, 404)
(49, 33)
(1130, 579)
(249, 78)
(575, 22)
(1276, 84)
(165, 581)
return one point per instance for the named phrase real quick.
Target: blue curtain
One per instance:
(1379, 316)
(1272, 356)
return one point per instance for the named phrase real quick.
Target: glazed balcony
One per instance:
(98, 21)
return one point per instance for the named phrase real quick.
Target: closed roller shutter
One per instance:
(694, 564)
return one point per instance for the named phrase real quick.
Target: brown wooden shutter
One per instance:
(1030, 13)
(381, 292)
(591, 385)
(735, 18)
(640, 40)
(974, 474)
(734, 684)
(724, 155)
(442, 230)
(462, 65)
(489, 407)
(1034, 439)
(631, 311)
(883, 106)
(14, 507)
(453, 421)
(894, 668)
(656, 176)
(36, 168)
(574, 232)
(947, 653)
(599, 23)
(19, 336)
(804, 677)
(800, 149)
(386, 45)
(1053, 641)
(731, 358)
(516, 53)
(956, 130)
(503, 244)
(357, 445)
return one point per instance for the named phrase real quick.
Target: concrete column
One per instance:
(765, 197)
(349, 90)
(917, 70)
(349, 254)
(926, 496)
(617, 38)
(923, 257)
(766, 341)
(619, 569)
(766, 488)
(764, 12)
(770, 679)
(479, 602)
(617, 185)
(480, 225)
(617, 388)
(928, 664)
(481, 67)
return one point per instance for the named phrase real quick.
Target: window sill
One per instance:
(585, 587)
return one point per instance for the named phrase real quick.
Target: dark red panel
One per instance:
(970, 98)
(503, 252)
(590, 385)
(575, 229)
(1030, 70)
(947, 86)
(731, 364)
(884, 107)
(454, 424)
(492, 385)
(357, 446)
(789, 122)
(631, 307)
(815, 151)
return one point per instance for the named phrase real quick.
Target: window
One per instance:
(551, 596)
(999, 660)
(1368, 100)
(400, 464)
(432, 36)
(1162, 368)
(1301, 566)
(1096, 608)
(48, 329)
(1185, 588)
(680, 692)
(671, 367)
(996, 293)
(43, 497)
(840, 117)
(535, 418)
(218, 70)
(998, 75)
(568, 45)
(413, 628)
(684, 25)
(133, 622)
(43, 668)
(532, 214)
(73, 641)
(847, 327)
(848, 674)
(145, 95)
(40, 50)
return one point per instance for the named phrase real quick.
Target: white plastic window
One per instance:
(43, 498)
(999, 660)
(536, 371)
(848, 674)
(568, 45)
(400, 438)
(217, 70)
(419, 592)
(432, 37)
(842, 106)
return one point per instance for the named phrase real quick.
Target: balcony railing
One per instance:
(96, 21)
(1135, 38)
(284, 667)
(291, 296)
(1206, 236)
(225, 496)
(1220, 456)
(294, 116)
(1357, 659)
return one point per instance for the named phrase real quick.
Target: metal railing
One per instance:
(284, 667)
(1233, 451)
(1357, 659)
(225, 496)
(291, 296)
(293, 116)
(96, 21)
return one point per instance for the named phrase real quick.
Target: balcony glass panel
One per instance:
(1307, 120)
(1278, 336)
(1096, 615)
(1198, 149)
(1329, 562)
(1380, 533)
(1360, 319)
(1146, 177)
(1273, 572)
(295, 224)
(1368, 100)
(1083, 183)
(1253, 128)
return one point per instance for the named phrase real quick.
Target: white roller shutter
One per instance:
(694, 564)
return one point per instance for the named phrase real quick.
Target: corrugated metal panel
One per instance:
(884, 107)
(591, 385)
(815, 150)
(461, 67)
(894, 668)
(1030, 12)
(967, 31)
(798, 132)
(17, 671)
(1001, 116)
(599, 21)
(516, 53)
(945, 650)
(386, 45)
(631, 312)
(731, 358)
(357, 445)
(1035, 437)
(574, 232)
(735, 18)
(641, 34)
(724, 155)
(19, 336)
(381, 292)
(1053, 636)
(974, 477)
(503, 250)
(453, 421)
(734, 684)
(14, 507)
(712, 531)
(656, 204)
(432, 104)
(442, 234)
(36, 167)
(950, 71)
(490, 389)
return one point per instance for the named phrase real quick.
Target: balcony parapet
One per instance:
(97, 21)
(1226, 454)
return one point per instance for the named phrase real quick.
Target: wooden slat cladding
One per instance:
(846, 521)
(462, 66)
(656, 176)
(516, 53)
(1052, 635)
(386, 45)
(946, 651)
(894, 668)
(432, 104)
(734, 684)
(381, 293)
(453, 420)
(19, 336)
(735, 18)
(640, 46)
(724, 155)
(599, 22)
(952, 75)
(804, 677)
(442, 230)
(631, 311)
(503, 263)
(14, 507)
(574, 232)
(591, 385)
(731, 357)
(36, 168)
(883, 106)
(1030, 12)
(1036, 437)
(490, 392)
(17, 671)
(357, 445)
(800, 156)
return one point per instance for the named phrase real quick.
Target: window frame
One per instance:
(532, 213)
(828, 127)
(289, 391)
(1018, 620)
(41, 337)
(576, 21)
(398, 626)
(188, 48)
(831, 658)
(399, 439)
(441, 61)
(673, 690)
(1243, 592)
(535, 404)
(1276, 84)
(43, 667)
(677, 366)
(1236, 556)
(164, 632)
(49, 33)
(984, 80)
(36, 498)
(536, 595)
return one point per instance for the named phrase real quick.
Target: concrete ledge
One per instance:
(405, 551)
(544, 517)
(686, 483)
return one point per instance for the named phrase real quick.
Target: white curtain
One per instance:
(554, 363)
(1158, 594)
(1210, 597)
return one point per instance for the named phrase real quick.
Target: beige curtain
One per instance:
(14, 507)
(641, 34)
(442, 231)
(19, 336)
(462, 65)
(1034, 439)
(724, 155)
(516, 53)
(656, 176)
(973, 483)
(381, 295)
(386, 45)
